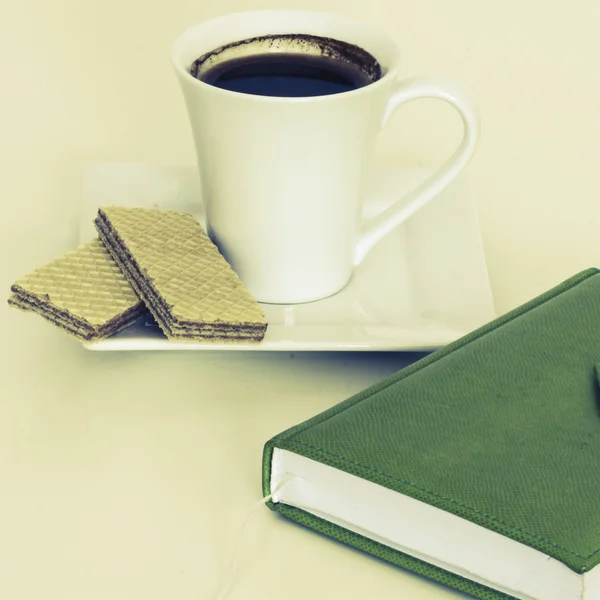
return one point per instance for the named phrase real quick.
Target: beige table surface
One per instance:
(126, 476)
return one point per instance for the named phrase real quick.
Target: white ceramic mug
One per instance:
(283, 178)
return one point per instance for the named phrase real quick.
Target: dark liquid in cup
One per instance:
(291, 66)
(286, 75)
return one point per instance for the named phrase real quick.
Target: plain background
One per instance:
(126, 476)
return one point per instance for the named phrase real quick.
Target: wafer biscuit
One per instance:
(83, 292)
(81, 333)
(180, 274)
(216, 331)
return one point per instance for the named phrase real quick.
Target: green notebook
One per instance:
(478, 466)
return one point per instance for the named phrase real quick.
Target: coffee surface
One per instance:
(286, 74)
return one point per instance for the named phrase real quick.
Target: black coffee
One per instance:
(332, 67)
(287, 75)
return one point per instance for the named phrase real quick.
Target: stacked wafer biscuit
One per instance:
(83, 292)
(189, 287)
(145, 259)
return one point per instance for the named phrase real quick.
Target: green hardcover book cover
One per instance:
(477, 466)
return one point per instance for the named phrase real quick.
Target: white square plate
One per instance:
(422, 287)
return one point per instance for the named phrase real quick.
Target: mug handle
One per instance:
(375, 229)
